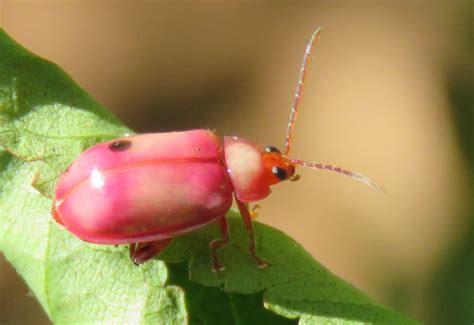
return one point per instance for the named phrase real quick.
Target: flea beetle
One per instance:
(144, 190)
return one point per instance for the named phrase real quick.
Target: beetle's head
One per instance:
(277, 166)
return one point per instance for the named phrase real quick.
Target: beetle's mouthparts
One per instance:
(294, 178)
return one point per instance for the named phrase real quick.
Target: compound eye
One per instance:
(272, 149)
(280, 173)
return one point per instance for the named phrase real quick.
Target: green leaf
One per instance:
(46, 121)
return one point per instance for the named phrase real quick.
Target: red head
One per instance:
(277, 167)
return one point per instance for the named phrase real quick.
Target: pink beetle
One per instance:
(144, 190)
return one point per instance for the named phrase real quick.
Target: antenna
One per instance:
(340, 170)
(299, 90)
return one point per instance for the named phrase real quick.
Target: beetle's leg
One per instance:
(35, 179)
(254, 212)
(248, 224)
(131, 250)
(35, 186)
(142, 252)
(217, 266)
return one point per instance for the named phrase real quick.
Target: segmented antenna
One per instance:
(337, 169)
(299, 90)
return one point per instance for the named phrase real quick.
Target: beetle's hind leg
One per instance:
(36, 187)
(217, 266)
(143, 252)
(246, 217)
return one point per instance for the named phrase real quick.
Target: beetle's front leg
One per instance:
(248, 225)
(217, 266)
(254, 211)
(142, 252)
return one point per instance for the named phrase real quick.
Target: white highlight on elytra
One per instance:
(97, 178)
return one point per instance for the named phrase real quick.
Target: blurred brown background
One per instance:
(378, 100)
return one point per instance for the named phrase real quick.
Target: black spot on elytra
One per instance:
(120, 145)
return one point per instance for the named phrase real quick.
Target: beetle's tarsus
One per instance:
(261, 264)
(36, 186)
(143, 252)
(255, 211)
(218, 267)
